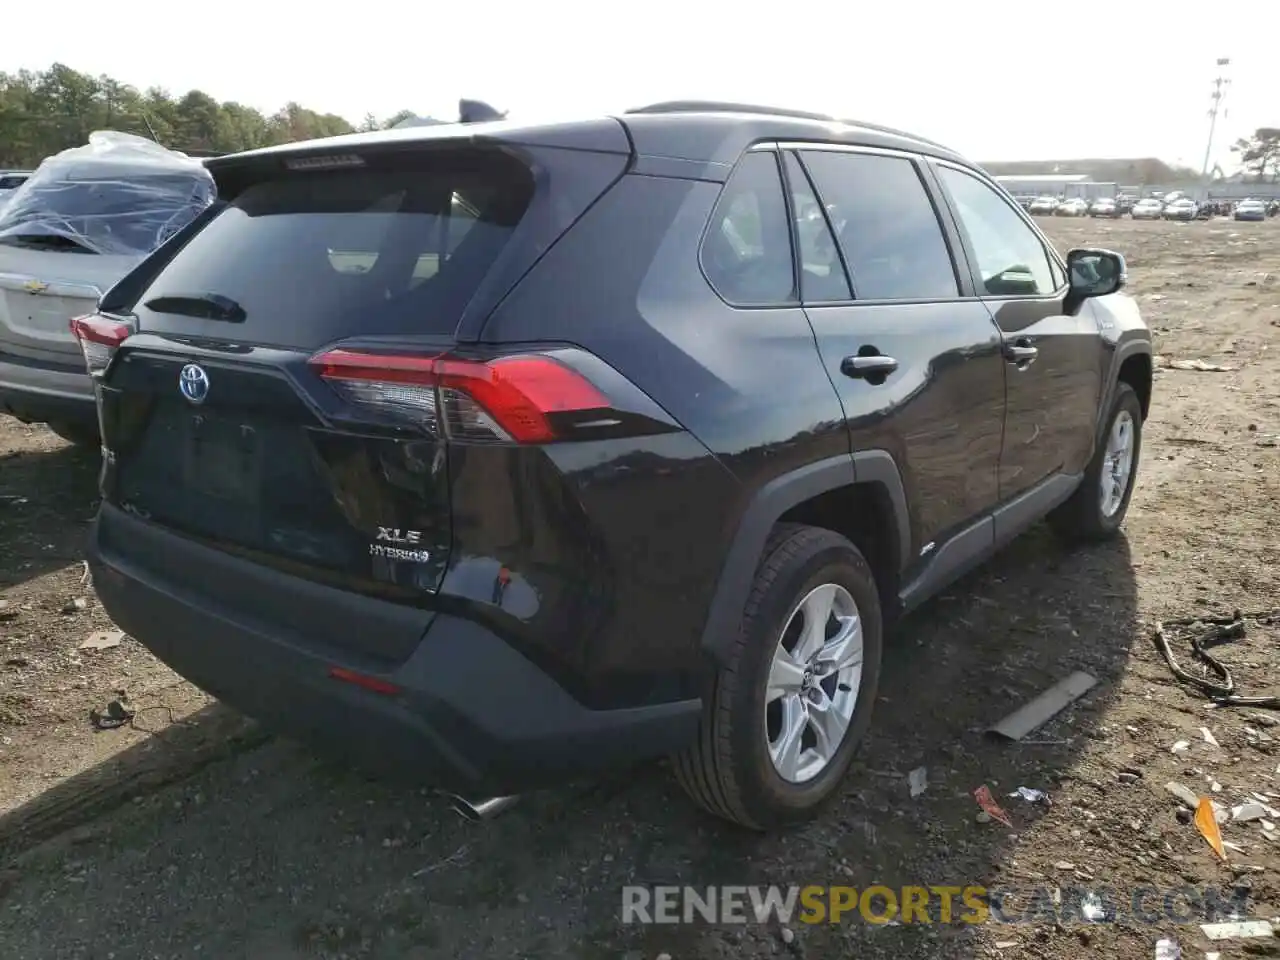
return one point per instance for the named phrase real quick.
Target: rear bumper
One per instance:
(39, 394)
(471, 713)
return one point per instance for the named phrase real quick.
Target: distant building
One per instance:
(1032, 185)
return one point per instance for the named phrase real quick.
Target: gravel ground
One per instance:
(193, 834)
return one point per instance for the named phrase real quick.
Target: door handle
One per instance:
(1020, 351)
(860, 367)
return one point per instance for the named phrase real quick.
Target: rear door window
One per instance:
(885, 224)
(822, 276)
(314, 256)
(746, 252)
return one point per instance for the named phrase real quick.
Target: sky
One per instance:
(995, 80)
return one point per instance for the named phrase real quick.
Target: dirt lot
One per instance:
(191, 834)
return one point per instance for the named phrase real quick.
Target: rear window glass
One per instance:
(355, 251)
(117, 215)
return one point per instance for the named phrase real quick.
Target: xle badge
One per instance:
(396, 535)
(394, 543)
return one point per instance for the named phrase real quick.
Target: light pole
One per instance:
(1220, 84)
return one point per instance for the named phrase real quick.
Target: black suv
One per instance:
(504, 453)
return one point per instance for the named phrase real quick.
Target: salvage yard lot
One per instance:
(189, 833)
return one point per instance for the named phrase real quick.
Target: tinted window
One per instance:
(1011, 259)
(886, 226)
(747, 250)
(389, 250)
(822, 275)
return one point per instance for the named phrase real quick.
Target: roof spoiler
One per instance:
(477, 111)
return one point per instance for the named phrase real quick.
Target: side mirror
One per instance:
(1096, 273)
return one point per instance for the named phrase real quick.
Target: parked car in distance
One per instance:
(1125, 203)
(1074, 207)
(1104, 207)
(1147, 209)
(11, 180)
(81, 222)
(1250, 210)
(417, 414)
(1183, 208)
(1043, 206)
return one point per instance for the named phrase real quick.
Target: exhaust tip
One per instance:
(481, 809)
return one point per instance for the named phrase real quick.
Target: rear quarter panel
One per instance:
(746, 384)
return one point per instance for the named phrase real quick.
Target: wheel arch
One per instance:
(862, 495)
(1131, 363)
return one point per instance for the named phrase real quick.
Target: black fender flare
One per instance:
(768, 505)
(1123, 352)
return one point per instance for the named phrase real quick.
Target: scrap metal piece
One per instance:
(1031, 716)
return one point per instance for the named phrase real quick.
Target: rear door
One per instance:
(224, 426)
(1051, 356)
(913, 354)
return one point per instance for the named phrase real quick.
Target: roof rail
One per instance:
(719, 106)
(895, 132)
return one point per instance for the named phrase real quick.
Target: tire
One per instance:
(78, 434)
(729, 770)
(1083, 519)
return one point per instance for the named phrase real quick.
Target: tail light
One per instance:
(100, 336)
(508, 400)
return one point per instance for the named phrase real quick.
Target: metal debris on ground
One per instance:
(1045, 707)
(1238, 930)
(1181, 746)
(918, 781)
(1205, 631)
(1186, 795)
(989, 806)
(1209, 738)
(1168, 950)
(456, 858)
(1031, 795)
(1200, 366)
(1248, 811)
(103, 640)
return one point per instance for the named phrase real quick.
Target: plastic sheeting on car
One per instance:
(117, 195)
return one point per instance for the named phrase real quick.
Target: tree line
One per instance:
(42, 112)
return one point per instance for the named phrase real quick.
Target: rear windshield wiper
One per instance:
(207, 306)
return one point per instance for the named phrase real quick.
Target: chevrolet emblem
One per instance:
(35, 286)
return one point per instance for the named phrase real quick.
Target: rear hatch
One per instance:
(220, 421)
(42, 289)
(65, 242)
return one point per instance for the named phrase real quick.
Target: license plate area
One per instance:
(223, 460)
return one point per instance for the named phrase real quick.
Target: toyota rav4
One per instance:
(501, 454)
